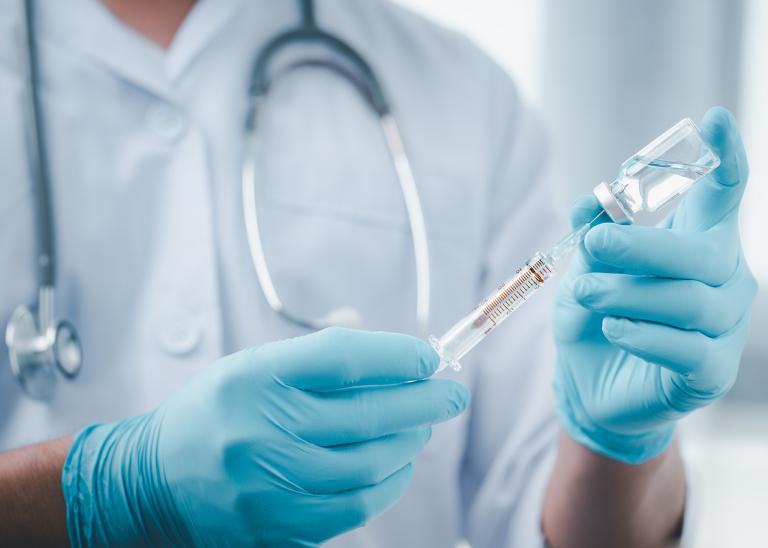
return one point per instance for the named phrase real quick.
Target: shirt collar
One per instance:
(201, 26)
(90, 27)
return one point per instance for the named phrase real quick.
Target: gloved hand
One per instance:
(650, 322)
(288, 444)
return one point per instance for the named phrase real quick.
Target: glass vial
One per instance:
(665, 168)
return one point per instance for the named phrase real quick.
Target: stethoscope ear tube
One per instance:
(36, 149)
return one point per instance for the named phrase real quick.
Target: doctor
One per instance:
(295, 442)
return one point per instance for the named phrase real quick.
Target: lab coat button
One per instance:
(180, 335)
(166, 121)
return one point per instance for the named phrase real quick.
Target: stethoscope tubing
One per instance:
(365, 81)
(37, 152)
(38, 344)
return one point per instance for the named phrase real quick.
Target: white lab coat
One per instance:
(145, 148)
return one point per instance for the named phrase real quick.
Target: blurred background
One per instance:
(608, 77)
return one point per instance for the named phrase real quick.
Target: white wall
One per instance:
(755, 126)
(508, 29)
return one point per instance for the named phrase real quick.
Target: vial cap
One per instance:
(610, 204)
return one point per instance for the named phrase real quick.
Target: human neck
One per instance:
(158, 21)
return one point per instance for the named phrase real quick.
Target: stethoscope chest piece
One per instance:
(36, 353)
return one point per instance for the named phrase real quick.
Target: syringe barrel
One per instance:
(492, 311)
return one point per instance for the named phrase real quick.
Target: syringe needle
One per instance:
(562, 248)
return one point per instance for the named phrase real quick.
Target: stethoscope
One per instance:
(365, 81)
(39, 344)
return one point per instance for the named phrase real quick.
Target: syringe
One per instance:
(508, 297)
(665, 168)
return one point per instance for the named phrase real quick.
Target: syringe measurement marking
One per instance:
(519, 288)
(503, 303)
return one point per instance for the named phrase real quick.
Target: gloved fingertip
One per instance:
(429, 360)
(584, 209)
(720, 130)
(613, 327)
(459, 399)
(716, 119)
(602, 241)
(583, 289)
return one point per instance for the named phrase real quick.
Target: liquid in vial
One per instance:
(664, 180)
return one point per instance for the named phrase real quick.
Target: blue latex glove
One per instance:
(288, 444)
(650, 322)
